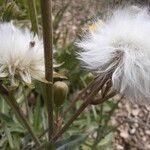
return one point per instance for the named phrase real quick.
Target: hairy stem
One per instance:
(33, 16)
(46, 8)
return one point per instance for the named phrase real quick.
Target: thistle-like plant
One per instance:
(21, 56)
(119, 47)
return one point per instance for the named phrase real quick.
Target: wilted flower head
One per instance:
(21, 55)
(120, 46)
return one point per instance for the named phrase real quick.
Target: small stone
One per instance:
(135, 112)
(124, 134)
(144, 139)
(119, 147)
(147, 132)
(132, 131)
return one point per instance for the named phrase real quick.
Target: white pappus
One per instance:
(121, 46)
(21, 55)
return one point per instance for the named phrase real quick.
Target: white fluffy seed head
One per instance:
(121, 45)
(21, 55)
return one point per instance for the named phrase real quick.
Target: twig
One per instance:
(46, 8)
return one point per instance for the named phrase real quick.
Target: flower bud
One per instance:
(60, 93)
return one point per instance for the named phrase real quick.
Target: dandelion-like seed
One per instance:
(120, 48)
(21, 56)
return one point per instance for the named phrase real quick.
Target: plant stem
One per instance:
(81, 95)
(82, 107)
(87, 101)
(25, 94)
(33, 16)
(20, 115)
(79, 111)
(96, 88)
(46, 8)
(100, 130)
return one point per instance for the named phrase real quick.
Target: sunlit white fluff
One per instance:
(121, 46)
(21, 55)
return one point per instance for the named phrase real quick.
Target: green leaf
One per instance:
(106, 142)
(6, 118)
(49, 146)
(9, 137)
(17, 129)
(37, 115)
(3, 141)
(13, 127)
(70, 143)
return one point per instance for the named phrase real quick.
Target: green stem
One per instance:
(87, 101)
(25, 94)
(46, 8)
(20, 115)
(81, 95)
(33, 16)
(100, 130)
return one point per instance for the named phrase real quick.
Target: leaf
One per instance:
(49, 146)
(13, 127)
(58, 65)
(9, 137)
(59, 76)
(106, 140)
(37, 115)
(17, 129)
(3, 141)
(6, 118)
(70, 143)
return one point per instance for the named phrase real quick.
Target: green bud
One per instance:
(60, 93)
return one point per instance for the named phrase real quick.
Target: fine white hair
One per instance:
(121, 46)
(21, 55)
